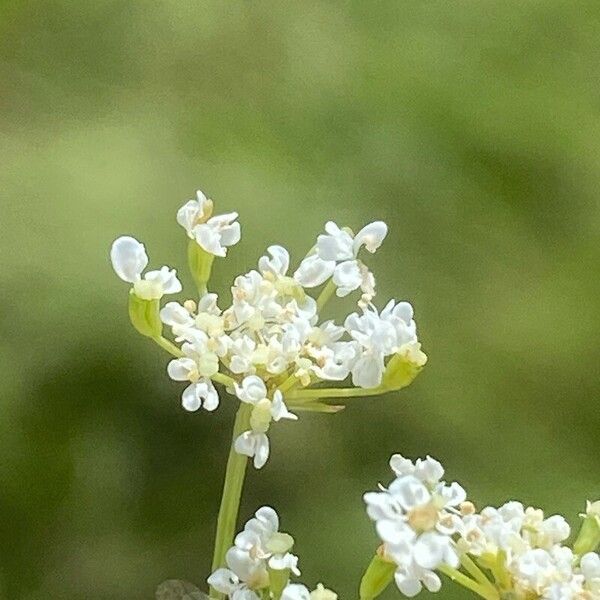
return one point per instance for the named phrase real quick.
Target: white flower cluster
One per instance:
(416, 517)
(261, 558)
(535, 560)
(271, 335)
(427, 525)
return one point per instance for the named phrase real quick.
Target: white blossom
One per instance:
(416, 517)
(129, 259)
(295, 591)
(254, 443)
(336, 256)
(260, 547)
(379, 336)
(213, 234)
(199, 363)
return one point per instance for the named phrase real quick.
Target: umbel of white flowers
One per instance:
(269, 346)
(428, 527)
(260, 562)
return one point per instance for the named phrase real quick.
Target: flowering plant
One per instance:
(270, 351)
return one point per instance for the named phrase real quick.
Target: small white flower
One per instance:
(295, 591)
(337, 256)
(260, 547)
(411, 579)
(254, 443)
(590, 569)
(322, 593)
(129, 259)
(213, 234)
(199, 363)
(277, 264)
(313, 271)
(416, 517)
(380, 336)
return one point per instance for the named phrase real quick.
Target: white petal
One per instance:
(200, 394)
(189, 213)
(252, 390)
(209, 394)
(261, 453)
(430, 550)
(429, 470)
(368, 371)
(295, 591)
(191, 400)
(129, 258)
(347, 277)
(285, 561)
(268, 517)
(277, 264)
(370, 236)
(179, 369)
(404, 311)
(401, 466)
(409, 586)
(336, 244)
(173, 314)
(245, 444)
(231, 234)
(209, 239)
(410, 492)
(244, 594)
(224, 581)
(590, 565)
(314, 271)
(431, 581)
(393, 532)
(242, 563)
(279, 410)
(454, 494)
(167, 278)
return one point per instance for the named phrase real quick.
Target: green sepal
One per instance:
(144, 315)
(588, 539)
(278, 579)
(402, 369)
(200, 263)
(377, 577)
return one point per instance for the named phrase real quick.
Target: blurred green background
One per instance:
(472, 128)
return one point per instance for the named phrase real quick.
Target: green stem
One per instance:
(224, 379)
(336, 392)
(325, 294)
(475, 571)
(169, 346)
(467, 582)
(232, 493)
(288, 383)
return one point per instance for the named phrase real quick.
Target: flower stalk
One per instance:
(232, 493)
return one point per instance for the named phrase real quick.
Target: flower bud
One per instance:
(322, 593)
(377, 577)
(200, 263)
(144, 315)
(403, 367)
(589, 534)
